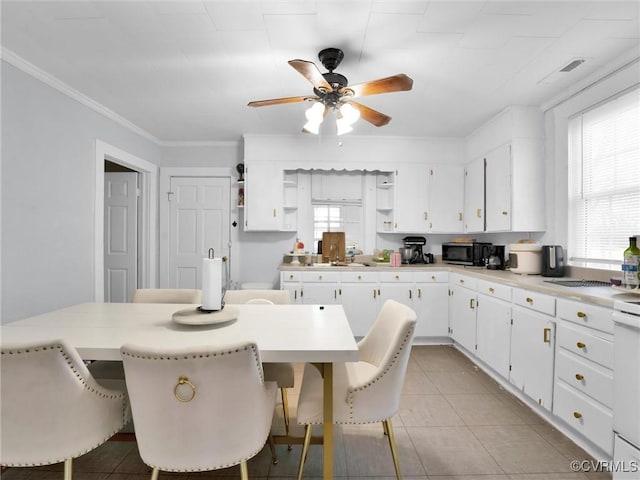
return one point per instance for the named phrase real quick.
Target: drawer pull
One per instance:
(546, 335)
(580, 345)
(319, 277)
(433, 277)
(529, 300)
(359, 277)
(461, 281)
(504, 212)
(577, 414)
(491, 290)
(581, 314)
(579, 376)
(397, 277)
(290, 277)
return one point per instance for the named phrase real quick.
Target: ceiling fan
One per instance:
(332, 91)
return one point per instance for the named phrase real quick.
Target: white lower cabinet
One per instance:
(583, 396)
(430, 301)
(292, 281)
(532, 354)
(493, 337)
(359, 298)
(320, 288)
(462, 315)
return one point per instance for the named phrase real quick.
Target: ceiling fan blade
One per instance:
(311, 73)
(370, 115)
(277, 101)
(395, 83)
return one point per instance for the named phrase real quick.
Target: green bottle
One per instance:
(630, 277)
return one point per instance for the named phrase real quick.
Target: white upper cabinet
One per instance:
(263, 197)
(446, 194)
(474, 213)
(498, 190)
(511, 145)
(412, 197)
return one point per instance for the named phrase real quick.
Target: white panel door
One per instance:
(474, 207)
(120, 235)
(198, 220)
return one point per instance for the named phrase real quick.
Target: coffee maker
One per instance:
(413, 249)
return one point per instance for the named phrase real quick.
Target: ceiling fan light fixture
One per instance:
(312, 127)
(343, 126)
(349, 113)
(315, 113)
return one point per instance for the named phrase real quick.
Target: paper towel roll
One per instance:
(211, 283)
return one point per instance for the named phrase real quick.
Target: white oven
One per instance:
(626, 390)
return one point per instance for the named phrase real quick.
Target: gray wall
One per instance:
(48, 150)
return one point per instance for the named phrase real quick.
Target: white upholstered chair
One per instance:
(366, 391)
(167, 295)
(52, 409)
(277, 297)
(198, 409)
(107, 369)
(281, 373)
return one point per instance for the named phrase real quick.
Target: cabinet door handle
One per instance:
(460, 216)
(546, 335)
(581, 314)
(529, 300)
(579, 376)
(577, 414)
(410, 294)
(581, 345)
(419, 293)
(472, 302)
(295, 294)
(426, 216)
(274, 212)
(479, 213)
(491, 290)
(504, 213)
(335, 293)
(374, 293)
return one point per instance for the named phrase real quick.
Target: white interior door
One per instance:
(120, 235)
(198, 220)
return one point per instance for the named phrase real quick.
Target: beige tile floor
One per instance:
(454, 423)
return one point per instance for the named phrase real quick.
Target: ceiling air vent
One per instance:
(561, 73)
(572, 64)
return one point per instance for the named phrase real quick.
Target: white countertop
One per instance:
(604, 296)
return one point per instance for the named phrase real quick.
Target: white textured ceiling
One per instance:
(183, 71)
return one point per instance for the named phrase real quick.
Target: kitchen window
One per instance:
(604, 182)
(338, 218)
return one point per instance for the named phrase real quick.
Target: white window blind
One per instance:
(604, 182)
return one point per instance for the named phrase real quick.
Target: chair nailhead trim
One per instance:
(57, 346)
(252, 346)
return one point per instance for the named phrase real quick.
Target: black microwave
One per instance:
(474, 254)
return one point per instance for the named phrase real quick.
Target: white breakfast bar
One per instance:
(283, 333)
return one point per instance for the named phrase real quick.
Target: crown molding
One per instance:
(195, 143)
(53, 82)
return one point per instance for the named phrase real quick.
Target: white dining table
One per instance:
(284, 333)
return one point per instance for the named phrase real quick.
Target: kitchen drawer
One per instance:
(463, 281)
(323, 277)
(584, 415)
(431, 277)
(592, 316)
(396, 277)
(535, 301)
(587, 377)
(291, 276)
(580, 342)
(359, 277)
(497, 290)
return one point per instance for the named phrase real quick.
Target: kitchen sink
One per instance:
(580, 283)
